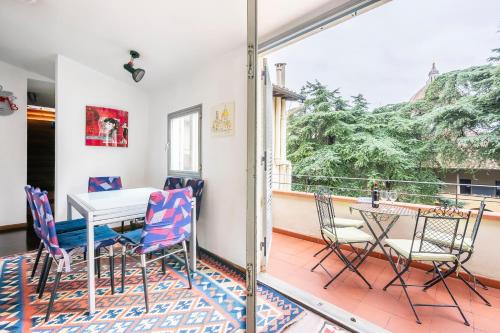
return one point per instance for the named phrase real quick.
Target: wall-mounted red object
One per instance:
(7, 105)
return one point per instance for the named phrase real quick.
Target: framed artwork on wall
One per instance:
(222, 119)
(106, 127)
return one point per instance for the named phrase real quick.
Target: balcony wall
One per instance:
(296, 212)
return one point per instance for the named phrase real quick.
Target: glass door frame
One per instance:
(251, 218)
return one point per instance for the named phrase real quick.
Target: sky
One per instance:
(386, 53)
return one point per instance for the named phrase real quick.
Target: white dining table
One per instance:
(108, 207)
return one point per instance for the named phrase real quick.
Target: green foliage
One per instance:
(457, 121)
(495, 58)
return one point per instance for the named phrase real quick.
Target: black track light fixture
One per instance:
(138, 73)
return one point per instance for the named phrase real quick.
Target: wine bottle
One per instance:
(375, 196)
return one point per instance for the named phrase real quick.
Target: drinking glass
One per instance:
(393, 196)
(384, 195)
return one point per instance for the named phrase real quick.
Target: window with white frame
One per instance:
(184, 142)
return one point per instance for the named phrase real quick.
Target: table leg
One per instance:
(69, 211)
(90, 265)
(192, 241)
(379, 238)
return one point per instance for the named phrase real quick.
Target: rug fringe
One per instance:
(294, 321)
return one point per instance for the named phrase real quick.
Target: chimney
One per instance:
(280, 74)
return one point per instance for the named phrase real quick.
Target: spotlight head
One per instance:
(137, 73)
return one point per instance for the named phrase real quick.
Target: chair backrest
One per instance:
(443, 230)
(48, 231)
(197, 186)
(173, 183)
(100, 184)
(168, 219)
(477, 223)
(29, 197)
(324, 208)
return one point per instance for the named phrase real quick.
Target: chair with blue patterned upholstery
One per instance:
(173, 183)
(197, 186)
(62, 226)
(100, 184)
(62, 247)
(167, 223)
(109, 183)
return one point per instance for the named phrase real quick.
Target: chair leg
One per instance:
(405, 289)
(336, 276)
(54, 290)
(124, 264)
(480, 283)
(466, 322)
(432, 270)
(323, 249)
(321, 261)
(360, 255)
(354, 268)
(144, 280)
(45, 277)
(399, 275)
(339, 273)
(436, 279)
(476, 280)
(112, 269)
(474, 277)
(37, 259)
(42, 274)
(163, 264)
(97, 261)
(186, 261)
(474, 291)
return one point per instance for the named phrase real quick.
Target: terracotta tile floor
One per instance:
(292, 258)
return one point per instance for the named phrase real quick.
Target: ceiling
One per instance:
(172, 36)
(45, 93)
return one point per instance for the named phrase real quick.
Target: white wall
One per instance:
(76, 87)
(13, 150)
(221, 228)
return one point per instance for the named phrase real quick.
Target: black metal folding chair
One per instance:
(467, 250)
(339, 223)
(336, 236)
(446, 227)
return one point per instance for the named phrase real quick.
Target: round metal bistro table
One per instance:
(380, 221)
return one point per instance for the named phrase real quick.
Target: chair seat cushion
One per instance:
(432, 251)
(103, 236)
(343, 223)
(131, 237)
(349, 235)
(134, 238)
(440, 238)
(71, 225)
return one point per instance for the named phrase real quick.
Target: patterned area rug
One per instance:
(215, 304)
(331, 328)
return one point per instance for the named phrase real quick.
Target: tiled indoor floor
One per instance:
(291, 260)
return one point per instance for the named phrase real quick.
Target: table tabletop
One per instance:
(105, 200)
(386, 209)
